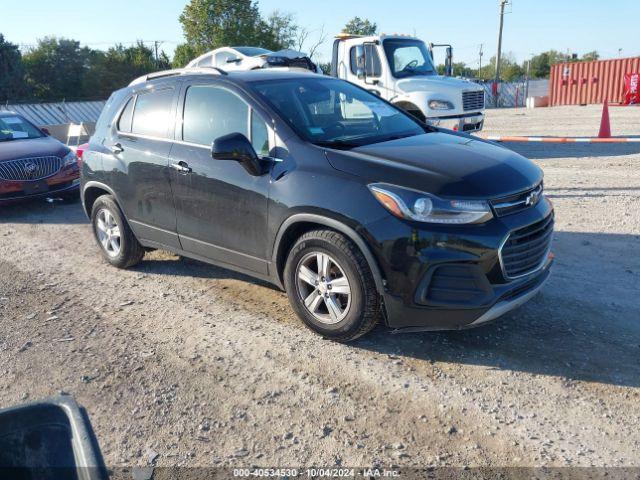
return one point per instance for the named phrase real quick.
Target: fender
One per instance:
(102, 186)
(335, 225)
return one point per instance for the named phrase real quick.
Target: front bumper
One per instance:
(471, 122)
(66, 181)
(452, 277)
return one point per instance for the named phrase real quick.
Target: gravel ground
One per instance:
(180, 363)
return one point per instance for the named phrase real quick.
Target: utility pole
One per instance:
(480, 62)
(156, 43)
(503, 3)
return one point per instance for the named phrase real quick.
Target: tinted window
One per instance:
(211, 112)
(124, 123)
(259, 135)
(335, 113)
(152, 114)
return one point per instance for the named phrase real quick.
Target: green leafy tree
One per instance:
(12, 85)
(360, 26)
(115, 68)
(183, 54)
(281, 31)
(459, 69)
(541, 63)
(210, 24)
(590, 56)
(55, 69)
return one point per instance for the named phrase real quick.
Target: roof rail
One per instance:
(176, 72)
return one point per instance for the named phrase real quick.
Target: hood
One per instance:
(442, 164)
(435, 82)
(35, 147)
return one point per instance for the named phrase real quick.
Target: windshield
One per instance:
(14, 127)
(335, 113)
(252, 51)
(408, 58)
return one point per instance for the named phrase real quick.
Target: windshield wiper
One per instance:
(338, 144)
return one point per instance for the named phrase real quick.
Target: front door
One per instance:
(221, 208)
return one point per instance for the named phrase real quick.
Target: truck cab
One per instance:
(400, 69)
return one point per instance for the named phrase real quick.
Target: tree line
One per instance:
(60, 68)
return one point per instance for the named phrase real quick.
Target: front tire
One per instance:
(331, 287)
(117, 242)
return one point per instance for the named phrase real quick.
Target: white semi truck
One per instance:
(400, 69)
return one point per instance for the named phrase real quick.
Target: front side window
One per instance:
(211, 112)
(259, 135)
(152, 113)
(408, 58)
(14, 127)
(335, 113)
(372, 66)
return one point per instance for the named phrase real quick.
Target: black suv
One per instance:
(356, 209)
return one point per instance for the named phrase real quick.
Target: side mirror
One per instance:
(50, 438)
(360, 62)
(234, 60)
(236, 146)
(46, 131)
(449, 62)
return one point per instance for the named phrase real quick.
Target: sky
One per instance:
(530, 26)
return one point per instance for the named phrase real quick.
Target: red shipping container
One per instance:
(631, 90)
(581, 83)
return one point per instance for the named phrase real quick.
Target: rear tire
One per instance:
(116, 241)
(331, 287)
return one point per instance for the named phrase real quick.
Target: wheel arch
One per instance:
(411, 108)
(296, 225)
(90, 193)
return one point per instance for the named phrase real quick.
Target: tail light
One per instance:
(80, 152)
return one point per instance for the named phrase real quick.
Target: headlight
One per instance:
(424, 207)
(440, 105)
(69, 159)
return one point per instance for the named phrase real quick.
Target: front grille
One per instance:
(519, 201)
(473, 100)
(29, 169)
(526, 249)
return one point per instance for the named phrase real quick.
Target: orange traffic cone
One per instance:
(605, 126)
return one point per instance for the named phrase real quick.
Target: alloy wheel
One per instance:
(108, 232)
(323, 287)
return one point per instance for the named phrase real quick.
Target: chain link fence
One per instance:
(513, 94)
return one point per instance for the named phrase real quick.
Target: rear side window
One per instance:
(124, 122)
(152, 113)
(211, 112)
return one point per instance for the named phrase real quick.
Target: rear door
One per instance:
(138, 165)
(221, 209)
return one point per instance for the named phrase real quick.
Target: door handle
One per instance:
(116, 148)
(181, 167)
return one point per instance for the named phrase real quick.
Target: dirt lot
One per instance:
(205, 367)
